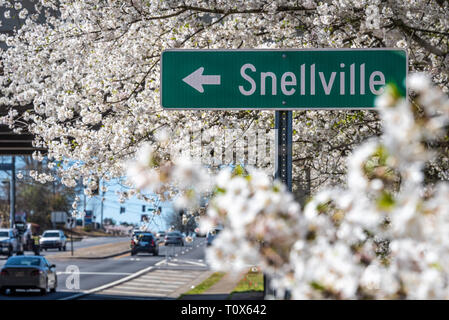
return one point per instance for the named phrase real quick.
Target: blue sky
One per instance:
(133, 206)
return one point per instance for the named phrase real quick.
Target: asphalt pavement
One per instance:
(97, 273)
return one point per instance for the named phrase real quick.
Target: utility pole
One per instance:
(12, 190)
(84, 207)
(7, 184)
(71, 234)
(101, 209)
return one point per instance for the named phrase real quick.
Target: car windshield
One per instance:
(174, 234)
(146, 238)
(51, 235)
(4, 234)
(23, 261)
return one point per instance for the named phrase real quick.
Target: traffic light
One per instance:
(96, 191)
(143, 208)
(122, 210)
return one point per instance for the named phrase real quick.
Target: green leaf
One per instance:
(322, 207)
(386, 201)
(239, 171)
(317, 286)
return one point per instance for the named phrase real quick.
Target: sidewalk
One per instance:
(222, 291)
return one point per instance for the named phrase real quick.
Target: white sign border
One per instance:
(286, 50)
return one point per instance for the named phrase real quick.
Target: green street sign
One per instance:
(279, 79)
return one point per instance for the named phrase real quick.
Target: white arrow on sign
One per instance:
(196, 79)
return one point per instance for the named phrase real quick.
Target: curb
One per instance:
(92, 258)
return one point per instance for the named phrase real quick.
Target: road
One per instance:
(97, 273)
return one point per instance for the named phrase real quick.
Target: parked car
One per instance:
(144, 242)
(174, 238)
(212, 234)
(9, 244)
(24, 235)
(28, 272)
(52, 239)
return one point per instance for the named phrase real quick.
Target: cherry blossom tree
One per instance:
(83, 76)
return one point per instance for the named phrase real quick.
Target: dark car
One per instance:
(28, 272)
(211, 235)
(136, 232)
(174, 238)
(144, 242)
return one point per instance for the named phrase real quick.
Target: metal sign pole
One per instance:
(283, 161)
(284, 131)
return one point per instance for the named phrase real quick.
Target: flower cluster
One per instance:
(260, 221)
(385, 236)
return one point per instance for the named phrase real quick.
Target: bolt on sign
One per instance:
(279, 79)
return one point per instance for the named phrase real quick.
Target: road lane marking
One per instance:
(109, 285)
(148, 282)
(173, 277)
(131, 293)
(161, 262)
(98, 273)
(184, 262)
(68, 290)
(144, 289)
(114, 296)
(161, 284)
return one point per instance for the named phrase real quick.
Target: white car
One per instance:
(8, 242)
(52, 239)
